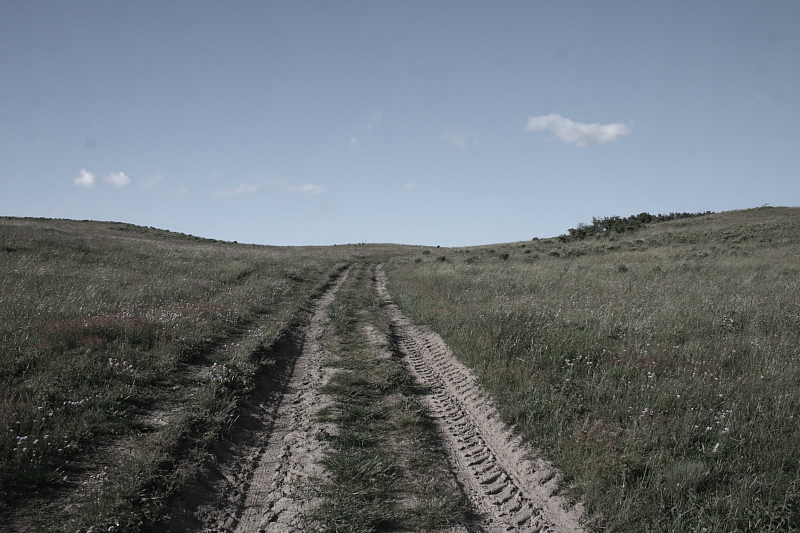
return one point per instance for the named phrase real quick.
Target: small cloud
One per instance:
(409, 185)
(376, 117)
(177, 193)
(152, 182)
(242, 189)
(318, 211)
(84, 179)
(374, 120)
(306, 188)
(577, 132)
(460, 140)
(118, 179)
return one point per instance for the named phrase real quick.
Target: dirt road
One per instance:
(259, 480)
(263, 479)
(509, 488)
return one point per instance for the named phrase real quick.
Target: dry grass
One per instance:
(124, 352)
(659, 369)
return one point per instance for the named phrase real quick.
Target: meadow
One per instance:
(124, 352)
(657, 368)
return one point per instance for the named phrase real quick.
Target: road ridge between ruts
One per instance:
(509, 488)
(262, 480)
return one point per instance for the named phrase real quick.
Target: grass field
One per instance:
(658, 368)
(124, 351)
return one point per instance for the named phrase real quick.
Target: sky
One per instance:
(413, 122)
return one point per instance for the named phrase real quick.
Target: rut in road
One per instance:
(259, 480)
(292, 453)
(508, 487)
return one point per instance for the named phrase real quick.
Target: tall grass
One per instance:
(123, 351)
(659, 370)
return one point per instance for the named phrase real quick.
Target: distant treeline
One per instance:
(607, 225)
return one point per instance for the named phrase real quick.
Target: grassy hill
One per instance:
(657, 367)
(124, 351)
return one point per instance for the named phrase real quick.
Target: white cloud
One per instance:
(356, 143)
(118, 179)
(152, 182)
(243, 188)
(460, 140)
(376, 117)
(318, 212)
(177, 193)
(248, 189)
(84, 179)
(409, 185)
(306, 188)
(577, 132)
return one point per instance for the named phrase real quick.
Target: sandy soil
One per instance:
(262, 480)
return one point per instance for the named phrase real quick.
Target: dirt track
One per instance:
(263, 478)
(260, 481)
(507, 490)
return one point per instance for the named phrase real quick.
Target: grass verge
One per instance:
(385, 460)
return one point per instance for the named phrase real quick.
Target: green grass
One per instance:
(124, 351)
(385, 460)
(658, 369)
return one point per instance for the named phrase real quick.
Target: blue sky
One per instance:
(436, 123)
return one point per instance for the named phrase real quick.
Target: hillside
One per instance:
(656, 369)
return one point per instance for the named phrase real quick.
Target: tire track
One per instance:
(262, 479)
(291, 453)
(509, 488)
